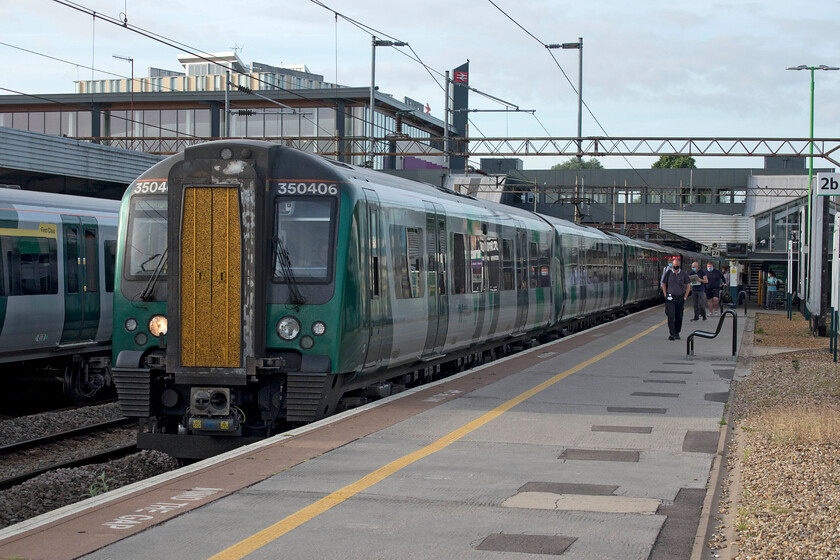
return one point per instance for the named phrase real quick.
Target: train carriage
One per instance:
(57, 259)
(258, 285)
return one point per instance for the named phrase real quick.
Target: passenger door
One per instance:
(521, 276)
(438, 302)
(373, 272)
(81, 280)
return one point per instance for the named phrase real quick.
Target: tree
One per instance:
(674, 162)
(573, 163)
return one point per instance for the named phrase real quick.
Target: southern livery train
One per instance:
(259, 285)
(56, 286)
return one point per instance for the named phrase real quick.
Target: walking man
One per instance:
(698, 290)
(675, 286)
(713, 287)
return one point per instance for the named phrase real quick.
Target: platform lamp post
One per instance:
(131, 90)
(579, 46)
(376, 43)
(810, 176)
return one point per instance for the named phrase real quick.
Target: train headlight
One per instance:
(319, 328)
(288, 328)
(131, 324)
(158, 325)
(307, 342)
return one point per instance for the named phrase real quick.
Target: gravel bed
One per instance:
(45, 456)
(63, 487)
(788, 427)
(22, 428)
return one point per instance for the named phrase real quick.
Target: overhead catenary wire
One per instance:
(557, 63)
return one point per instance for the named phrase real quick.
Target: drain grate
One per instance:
(697, 441)
(570, 488)
(529, 544)
(650, 394)
(600, 455)
(624, 429)
(637, 409)
(674, 381)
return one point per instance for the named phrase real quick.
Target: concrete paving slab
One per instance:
(577, 502)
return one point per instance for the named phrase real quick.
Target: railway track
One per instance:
(70, 446)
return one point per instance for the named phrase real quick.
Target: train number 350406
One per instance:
(307, 188)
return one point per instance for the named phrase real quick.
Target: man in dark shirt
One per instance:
(698, 291)
(716, 282)
(675, 286)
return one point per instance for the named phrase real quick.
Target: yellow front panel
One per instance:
(211, 255)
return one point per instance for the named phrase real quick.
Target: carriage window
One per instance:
(507, 265)
(493, 263)
(304, 232)
(477, 263)
(459, 260)
(30, 265)
(146, 236)
(408, 261)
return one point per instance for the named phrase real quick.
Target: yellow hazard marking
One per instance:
(267, 535)
(196, 423)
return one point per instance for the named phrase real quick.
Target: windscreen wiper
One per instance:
(282, 259)
(147, 292)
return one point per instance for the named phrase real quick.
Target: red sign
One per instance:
(462, 77)
(428, 109)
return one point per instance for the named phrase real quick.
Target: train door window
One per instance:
(110, 264)
(477, 263)
(493, 264)
(522, 261)
(30, 264)
(71, 260)
(534, 261)
(545, 264)
(374, 253)
(441, 256)
(91, 262)
(507, 265)
(408, 261)
(459, 260)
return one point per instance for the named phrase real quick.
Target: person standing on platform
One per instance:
(715, 279)
(772, 286)
(675, 286)
(698, 291)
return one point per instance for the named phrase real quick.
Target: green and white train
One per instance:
(259, 285)
(57, 258)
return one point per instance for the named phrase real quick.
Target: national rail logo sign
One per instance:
(461, 77)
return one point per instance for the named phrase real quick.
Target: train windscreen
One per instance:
(303, 240)
(146, 236)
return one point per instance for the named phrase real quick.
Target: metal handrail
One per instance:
(689, 342)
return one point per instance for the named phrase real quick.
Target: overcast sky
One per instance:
(651, 68)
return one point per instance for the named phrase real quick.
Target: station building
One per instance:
(748, 215)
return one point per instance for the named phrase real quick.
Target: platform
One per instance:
(598, 445)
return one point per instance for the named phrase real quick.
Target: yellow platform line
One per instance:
(267, 535)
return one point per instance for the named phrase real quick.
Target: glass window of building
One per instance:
(169, 123)
(762, 233)
(52, 122)
(36, 122)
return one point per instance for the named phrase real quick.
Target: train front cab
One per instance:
(222, 294)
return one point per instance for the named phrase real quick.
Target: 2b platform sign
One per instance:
(828, 184)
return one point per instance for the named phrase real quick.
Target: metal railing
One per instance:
(689, 342)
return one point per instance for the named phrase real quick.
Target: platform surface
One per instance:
(594, 446)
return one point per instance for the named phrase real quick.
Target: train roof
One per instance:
(70, 203)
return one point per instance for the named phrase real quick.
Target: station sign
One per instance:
(828, 184)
